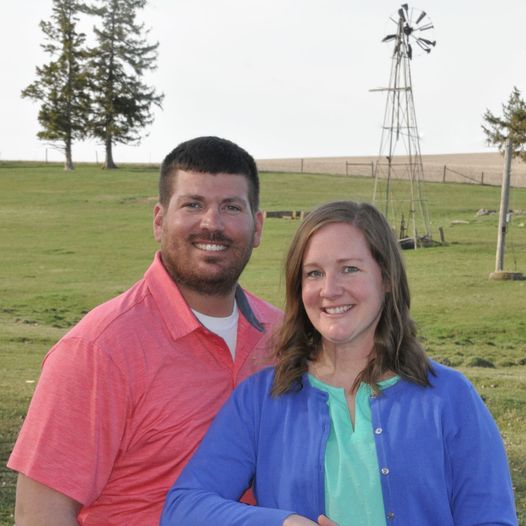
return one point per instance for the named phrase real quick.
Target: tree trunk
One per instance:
(108, 163)
(68, 163)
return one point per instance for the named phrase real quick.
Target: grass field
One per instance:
(72, 240)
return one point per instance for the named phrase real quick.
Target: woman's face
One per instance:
(342, 287)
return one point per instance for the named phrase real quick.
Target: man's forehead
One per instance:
(179, 172)
(187, 182)
(189, 178)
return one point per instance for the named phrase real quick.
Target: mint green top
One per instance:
(353, 493)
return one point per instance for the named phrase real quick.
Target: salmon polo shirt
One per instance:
(125, 397)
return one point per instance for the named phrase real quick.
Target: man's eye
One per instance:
(232, 208)
(191, 204)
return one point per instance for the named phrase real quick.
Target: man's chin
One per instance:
(212, 287)
(209, 280)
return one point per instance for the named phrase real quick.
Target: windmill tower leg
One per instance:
(398, 189)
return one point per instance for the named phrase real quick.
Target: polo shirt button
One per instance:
(390, 515)
(378, 431)
(385, 471)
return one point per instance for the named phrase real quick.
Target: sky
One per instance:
(287, 78)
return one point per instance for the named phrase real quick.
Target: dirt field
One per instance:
(475, 168)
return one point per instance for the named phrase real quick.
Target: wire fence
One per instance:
(433, 171)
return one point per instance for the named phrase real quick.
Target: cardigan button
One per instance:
(385, 471)
(390, 515)
(378, 431)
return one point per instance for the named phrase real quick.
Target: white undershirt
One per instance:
(226, 328)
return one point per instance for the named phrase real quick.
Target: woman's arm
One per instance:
(208, 490)
(482, 492)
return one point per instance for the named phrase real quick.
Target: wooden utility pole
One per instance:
(504, 219)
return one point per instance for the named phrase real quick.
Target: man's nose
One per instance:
(211, 219)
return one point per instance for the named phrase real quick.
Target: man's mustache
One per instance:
(205, 236)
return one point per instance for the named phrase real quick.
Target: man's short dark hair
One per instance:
(209, 155)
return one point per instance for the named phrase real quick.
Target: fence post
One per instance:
(444, 175)
(482, 178)
(346, 168)
(372, 169)
(301, 166)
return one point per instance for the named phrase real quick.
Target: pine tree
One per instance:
(512, 124)
(61, 84)
(122, 101)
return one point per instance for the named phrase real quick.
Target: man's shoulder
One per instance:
(116, 313)
(265, 311)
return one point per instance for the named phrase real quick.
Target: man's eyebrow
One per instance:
(190, 196)
(236, 199)
(199, 197)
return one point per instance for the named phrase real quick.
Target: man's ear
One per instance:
(258, 218)
(158, 216)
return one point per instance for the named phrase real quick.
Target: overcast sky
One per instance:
(288, 78)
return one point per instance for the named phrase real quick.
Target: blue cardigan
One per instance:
(441, 457)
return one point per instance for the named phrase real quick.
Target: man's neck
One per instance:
(218, 306)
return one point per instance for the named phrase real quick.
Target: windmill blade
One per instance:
(423, 45)
(409, 52)
(428, 42)
(406, 7)
(402, 15)
(425, 28)
(389, 37)
(422, 15)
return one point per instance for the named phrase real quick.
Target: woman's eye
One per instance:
(313, 274)
(350, 269)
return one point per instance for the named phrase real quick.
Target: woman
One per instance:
(354, 422)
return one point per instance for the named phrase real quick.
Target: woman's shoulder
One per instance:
(444, 377)
(258, 382)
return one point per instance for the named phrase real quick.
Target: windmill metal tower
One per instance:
(398, 185)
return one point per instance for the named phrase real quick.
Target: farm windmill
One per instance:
(398, 185)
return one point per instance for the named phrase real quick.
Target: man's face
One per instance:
(207, 231)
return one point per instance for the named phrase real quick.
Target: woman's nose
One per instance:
(331, 287)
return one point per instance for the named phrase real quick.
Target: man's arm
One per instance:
(40, 505)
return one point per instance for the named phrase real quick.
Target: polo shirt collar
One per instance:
(177, 315)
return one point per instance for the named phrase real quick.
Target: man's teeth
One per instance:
(210, 247)
(337, 310)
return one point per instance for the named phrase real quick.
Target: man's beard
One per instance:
(220, 284)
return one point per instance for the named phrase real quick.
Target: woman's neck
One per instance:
(339, 366)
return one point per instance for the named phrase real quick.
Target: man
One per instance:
(126, 396)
